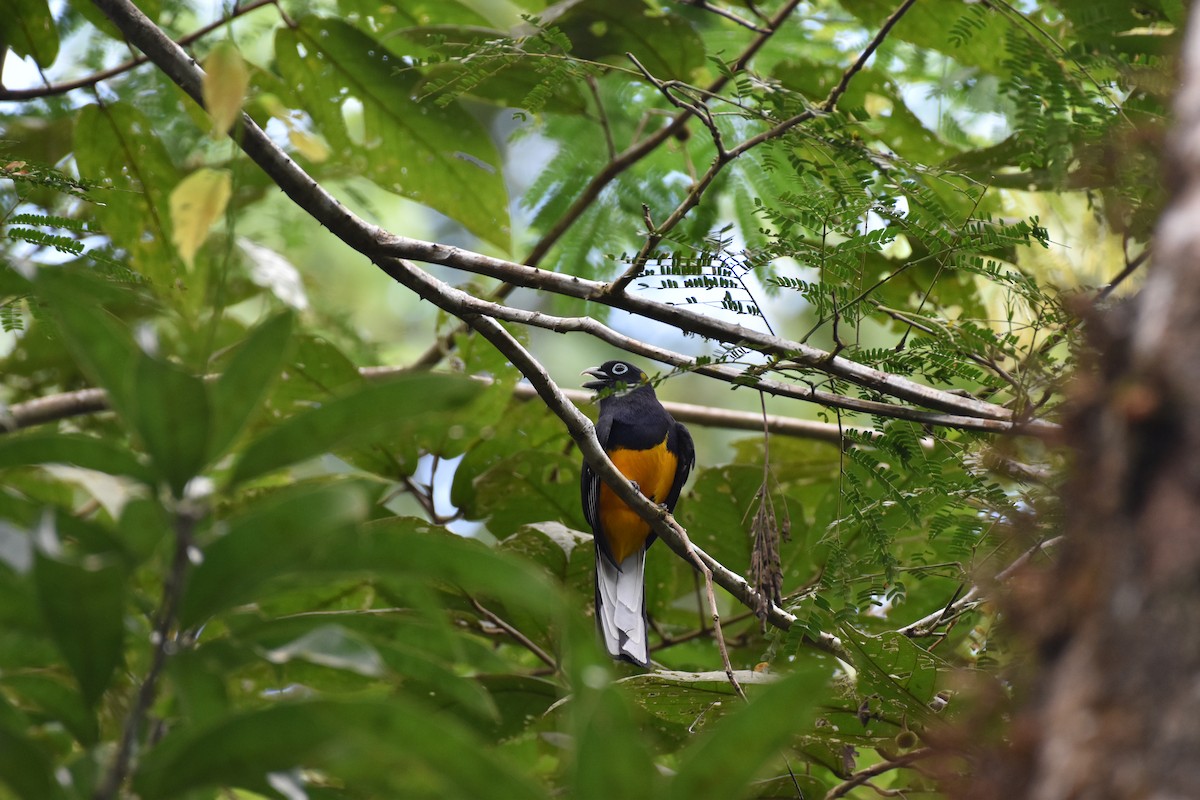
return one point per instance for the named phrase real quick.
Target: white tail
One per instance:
(620, 607)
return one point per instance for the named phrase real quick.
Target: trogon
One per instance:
(655, 452)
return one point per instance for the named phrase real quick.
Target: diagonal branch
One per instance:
(325, 209)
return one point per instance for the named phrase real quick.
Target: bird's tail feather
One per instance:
(621, 607)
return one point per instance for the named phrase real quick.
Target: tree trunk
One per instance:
(1114, 706)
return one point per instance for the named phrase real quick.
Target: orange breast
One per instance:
(654, 471)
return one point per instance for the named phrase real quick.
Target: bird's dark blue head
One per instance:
(613, 375)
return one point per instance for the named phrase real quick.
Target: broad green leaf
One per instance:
(428, 755)
(351, 419)
(679, 704)
(665, 44)
(547, 544)
(117, 144)
(25, 768)
(531, 486)
(197, 202)
(311, 532)
(408, 147)
(236, 395)
(724, 760)
(612, 756)
(104, 347)
(520, 700)
(894, 668)
(377, 21)
(84, 604)
(49, 699)
(331, 646)
(29, 30)
(76, 449)
(142, 527)
(226, 81)
(289, 532)
(979, 31)
(467, 565)
(170, 412)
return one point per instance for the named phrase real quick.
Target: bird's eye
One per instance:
(619, 369)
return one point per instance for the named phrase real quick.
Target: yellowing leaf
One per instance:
(226, 80)
(311, 147)
(196, 203)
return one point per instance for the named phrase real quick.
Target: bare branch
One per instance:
(927, 624)
(726, 13)
(521, 638)
(724, 157)
(639, 150)
(864, 775)
(839, 90)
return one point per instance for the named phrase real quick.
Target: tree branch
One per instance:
(185, 523)
(324, 208)
(639, 150)
(519, 637)
(875, 770)
(926, 625)
(724, 157)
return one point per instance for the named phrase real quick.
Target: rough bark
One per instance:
(1113, 705)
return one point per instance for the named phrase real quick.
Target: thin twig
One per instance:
(163, 644)
(718, 634)
(639, 150)
(1130, 267)
(726, 13)
(925, 625)
(699, 110)
(844, 84)
(724, 157)
(521, 638)
(602, 115)
(875, 770)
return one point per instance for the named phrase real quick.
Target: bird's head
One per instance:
(613, 375)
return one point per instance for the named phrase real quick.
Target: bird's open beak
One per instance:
(595, 372)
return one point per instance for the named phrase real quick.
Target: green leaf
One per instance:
(29, 29)
(519, 699)
(612, 757)
(25, 768)
(244, 383)
(170, 413)
(52, 700)
(291, 531)
(428, 755)
(894, 668)
(414, 149)
(723, 761)
(331, 646)
(353, 418)
(76, 449)
(926, 25)
(117, 143)
(103, 346)
(142, 527)
(83, 604)
(666, 44)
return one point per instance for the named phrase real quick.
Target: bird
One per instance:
(656, 453)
